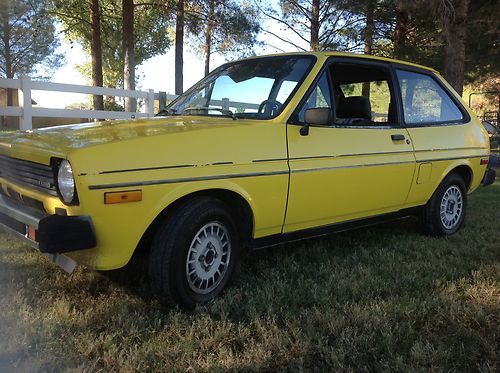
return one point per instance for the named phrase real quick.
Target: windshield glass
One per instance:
(257, 88)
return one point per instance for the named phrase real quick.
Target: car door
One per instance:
(360, 164)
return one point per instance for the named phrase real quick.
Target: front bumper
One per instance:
(51, 234)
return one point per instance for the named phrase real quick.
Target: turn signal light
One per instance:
(484, 161)
(123, 197)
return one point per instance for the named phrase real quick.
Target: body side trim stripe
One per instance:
(161, 168)
(451, 159)
(185, 180)
(256, 174)
(449, 149)
(350, 166)
(146, 169)
(269, 160)
(366, 154)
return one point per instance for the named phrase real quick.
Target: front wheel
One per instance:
(194, 253)
(444, 214)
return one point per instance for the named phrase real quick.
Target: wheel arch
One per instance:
(240, 208)
(464, 170)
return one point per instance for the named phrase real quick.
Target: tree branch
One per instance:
(287, 25)
(302, 9)
(285, 40)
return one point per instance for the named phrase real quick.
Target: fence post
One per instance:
(26, 120)
(162, 100)
(150, 103)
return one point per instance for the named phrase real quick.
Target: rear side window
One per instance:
(425, 101)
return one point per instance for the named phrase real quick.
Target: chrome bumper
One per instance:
(14, 216)
(50, 234)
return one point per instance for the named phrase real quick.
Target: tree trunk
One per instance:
(455, 28)
(128, 52)
(314, 44)
(9, 74)
(208, 35)
(400, 30)
(8, 61)
(96, 52)
(179, 47)
(368, 35)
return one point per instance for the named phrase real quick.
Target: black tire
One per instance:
(168, 265)
(433, 222)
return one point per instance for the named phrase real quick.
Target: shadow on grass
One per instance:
(384, 298)
(374, 251)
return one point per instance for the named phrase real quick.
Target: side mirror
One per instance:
(316, 117)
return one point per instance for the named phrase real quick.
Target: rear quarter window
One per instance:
(425, 101)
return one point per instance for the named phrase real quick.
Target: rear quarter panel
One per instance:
(446, 147)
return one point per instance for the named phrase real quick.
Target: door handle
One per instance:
(397, 137)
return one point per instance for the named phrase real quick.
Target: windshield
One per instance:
(257, 88)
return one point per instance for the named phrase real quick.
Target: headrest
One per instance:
(355, 107)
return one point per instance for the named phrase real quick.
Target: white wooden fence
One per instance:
(25, 111)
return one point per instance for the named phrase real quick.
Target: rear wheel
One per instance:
(194, 253)
(444, 214)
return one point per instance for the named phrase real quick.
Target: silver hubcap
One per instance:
(208, 258)
(451, 207)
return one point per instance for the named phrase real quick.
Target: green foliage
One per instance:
(152, 33)
(27, 39)
(236, 25)
(425, 40)
(483, 41)
(382, 298)
(383, 17)
(338, 26)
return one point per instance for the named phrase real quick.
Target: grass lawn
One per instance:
(383, 298)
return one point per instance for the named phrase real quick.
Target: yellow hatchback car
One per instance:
(261, 151)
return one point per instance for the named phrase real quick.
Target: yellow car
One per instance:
(261, 151)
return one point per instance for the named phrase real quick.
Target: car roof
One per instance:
(347, 55)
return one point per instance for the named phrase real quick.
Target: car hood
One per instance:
(41, 144)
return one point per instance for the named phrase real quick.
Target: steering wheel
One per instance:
(269, 107)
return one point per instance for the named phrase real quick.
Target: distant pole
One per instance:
(150, 103)
(26, 122)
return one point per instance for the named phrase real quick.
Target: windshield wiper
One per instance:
(164, 112)
(225, 112)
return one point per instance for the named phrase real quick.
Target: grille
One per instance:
(34, 175)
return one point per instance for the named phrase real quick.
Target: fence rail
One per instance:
(25, 111)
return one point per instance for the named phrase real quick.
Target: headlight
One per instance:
(66, 182)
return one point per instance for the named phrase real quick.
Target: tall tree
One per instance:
(400, 29)
(368, 36)
(208, 34)
(223, 27)
(369, 26)
(314, 24)
(482, 58)
(96, 52)
(27, 39)
(179, 47)
(447, 20)
(128, 45)
(150, 35)
(454, 14)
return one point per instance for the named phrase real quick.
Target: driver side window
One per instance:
(320, 97)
